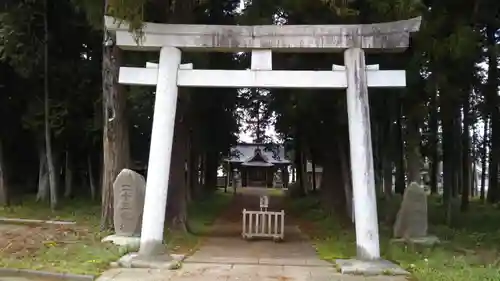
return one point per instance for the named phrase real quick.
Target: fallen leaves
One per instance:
(24, 241)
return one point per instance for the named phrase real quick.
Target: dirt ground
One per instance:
(21, 241)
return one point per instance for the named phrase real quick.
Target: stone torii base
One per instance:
(164, 261)
(367, 267)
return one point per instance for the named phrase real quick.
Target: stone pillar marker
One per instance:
(412, 219)
(128, 193)
(236, 180)
(128, 203)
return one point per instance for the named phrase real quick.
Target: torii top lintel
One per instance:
(382, 37)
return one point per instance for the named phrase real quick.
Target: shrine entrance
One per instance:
(262, 41)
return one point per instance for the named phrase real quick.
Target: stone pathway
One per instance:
(226, 245)
(225, 256)
(236, 272)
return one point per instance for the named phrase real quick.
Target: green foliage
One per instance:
(395, 9)
(20, 41)
(130, 11)
(94, 10)
(202, 213)
(126, 11)
(469, 251)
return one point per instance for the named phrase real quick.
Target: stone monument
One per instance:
(277, 181)
(128, 192)
(412, 220)
(236, 180)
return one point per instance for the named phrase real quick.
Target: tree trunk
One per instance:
(115, 132)
(176, 216)
(447, 118)
(197, 186)
(193, 162)
(374, 143)
(413, 151)
(472, 144)
(434, 144)
(313, 172)
(4, 191)
(334, 183)
(345, 163)
(387, 143)
(190, 166)
(387, 162)
(299, 164)
(484, 159)
(400, 182)
(211, 166)
(493, 102)
(466, 163)
(47, 132)
(457, 148)
(491, 195)
(201, 172)
(93, 192)
(378, 159)
(387, 167)
(43, 179)
(68, 176)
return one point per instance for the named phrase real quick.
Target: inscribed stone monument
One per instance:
(277, 182)
(128, 191)
(236, 180)
(411, 221)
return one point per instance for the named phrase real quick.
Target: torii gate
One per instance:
(261, 41)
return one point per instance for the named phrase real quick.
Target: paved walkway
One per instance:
(226, 245)
(225, 256)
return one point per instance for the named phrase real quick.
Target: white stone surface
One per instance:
(363, 178)
(128, 202)
(160, 150)
(337, 67)
(182, 66)
(373, 267)
(391, 36)
(260, 78)
(126, 241)
(136, 260)
(412, 218)
(261, 60)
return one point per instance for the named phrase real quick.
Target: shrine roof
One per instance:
(261, 155)
(257, 164)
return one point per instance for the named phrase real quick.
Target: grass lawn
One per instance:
(78, 249)
(469, 252)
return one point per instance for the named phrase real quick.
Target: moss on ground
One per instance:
(470, 251)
